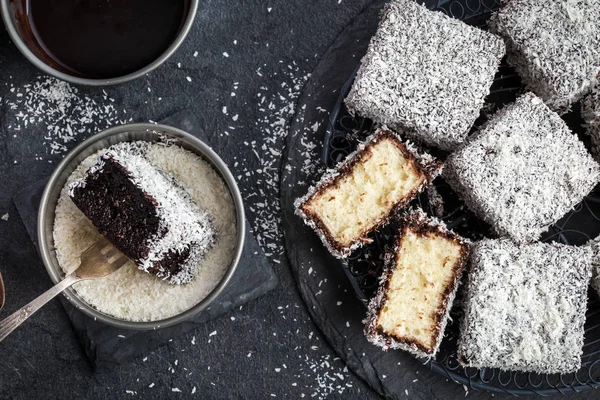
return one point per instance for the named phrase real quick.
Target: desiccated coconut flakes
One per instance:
(513, 173)
(525, 307)
(425, 73)
(60, 108)
(553, 45)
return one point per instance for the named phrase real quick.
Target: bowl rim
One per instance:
(16, 39)
(201, 149)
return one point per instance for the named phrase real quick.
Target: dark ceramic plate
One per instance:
(363, 267)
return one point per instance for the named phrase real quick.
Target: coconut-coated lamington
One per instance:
(145, 214)
(422, 273)
(375, 182)
(523, 171)
(553, 45)
(426, 74)
(591, 114)
(524, 307)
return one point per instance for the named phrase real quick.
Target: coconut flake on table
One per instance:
(259, 175)
(131, 294)
(65, 113)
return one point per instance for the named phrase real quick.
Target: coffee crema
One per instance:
(103, 39)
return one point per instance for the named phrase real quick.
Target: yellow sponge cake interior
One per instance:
(415, 298)
(381, 177)
(425, 267)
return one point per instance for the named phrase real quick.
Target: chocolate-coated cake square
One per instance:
(525, 306)
(425, 74)
(523, 170)
(422, 273)
(145, 214)
(553, 45)
(362, 193)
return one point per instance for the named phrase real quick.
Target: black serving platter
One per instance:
(364, 266)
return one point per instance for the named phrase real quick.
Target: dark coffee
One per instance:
(105, 38)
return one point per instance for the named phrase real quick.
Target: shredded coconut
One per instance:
(62, 110)
(525, 307)
(595, 244)
(260, 176)
(425, 73)
(523, 171)
(591, 114)
(553, 45)
(129, 293)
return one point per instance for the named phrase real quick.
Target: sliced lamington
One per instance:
(365, 190)
(523, 171)
(425, 73)
(591, 115)
(525, 307)
(421, 276)
(553, 45)
(145, 214)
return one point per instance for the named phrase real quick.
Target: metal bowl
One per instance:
(107, 138)
(14, 14)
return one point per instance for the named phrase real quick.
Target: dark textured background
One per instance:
(242, 360)
(269, 348)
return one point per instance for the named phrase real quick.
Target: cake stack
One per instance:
(424, 80)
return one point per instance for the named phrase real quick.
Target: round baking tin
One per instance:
(102, 140)
(13, 11)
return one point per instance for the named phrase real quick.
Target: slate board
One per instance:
(106, 345)
(322, 281)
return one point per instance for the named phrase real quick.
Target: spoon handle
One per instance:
(11, 323)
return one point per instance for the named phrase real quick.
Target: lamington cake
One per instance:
(365, 191)
(591, 114)
(376, 181)
(525, 306)
(421, 276)
(553, 45)
(426, 74)
(523, 171)
(145, 214)
(595, 282)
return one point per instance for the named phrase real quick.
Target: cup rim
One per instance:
(29, 55)
(50, 260)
